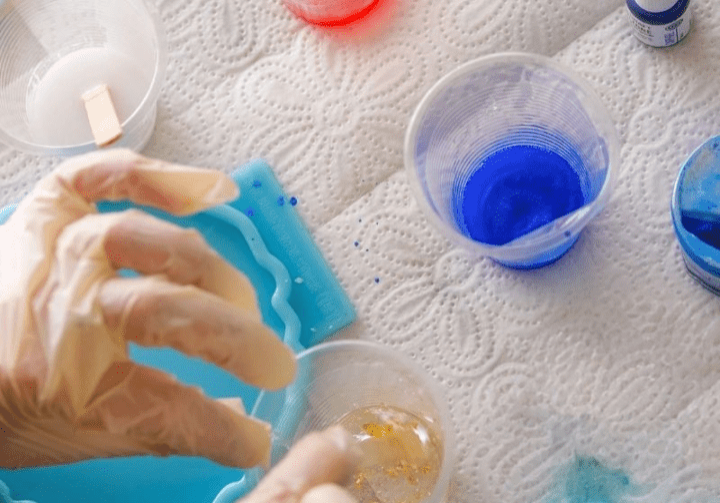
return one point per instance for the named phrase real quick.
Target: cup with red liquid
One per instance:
(330, 12)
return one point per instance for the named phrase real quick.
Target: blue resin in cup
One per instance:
(511, 156)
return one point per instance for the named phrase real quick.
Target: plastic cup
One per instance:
(55, 50)
(472, 127)
(336, 378)
(330, 12)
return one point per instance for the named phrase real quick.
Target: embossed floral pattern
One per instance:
(608, 352)
(612, 352)
(319, 106)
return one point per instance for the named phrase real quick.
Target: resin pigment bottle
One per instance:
(660, 23)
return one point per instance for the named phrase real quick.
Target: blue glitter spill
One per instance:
(250, 212)
(281, 201)
(586, 480)
(293, 200)
(515, 191)
(257, 184)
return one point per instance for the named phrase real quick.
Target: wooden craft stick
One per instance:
(102, 116)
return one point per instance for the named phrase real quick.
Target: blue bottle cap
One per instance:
(658, 12)
(696, 213)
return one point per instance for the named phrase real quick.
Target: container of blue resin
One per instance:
(695, 211)
(510, 156)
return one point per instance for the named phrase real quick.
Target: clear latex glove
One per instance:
(311, 471)
(68, 390)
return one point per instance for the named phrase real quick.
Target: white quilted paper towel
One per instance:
(327, 108)
(610, 356)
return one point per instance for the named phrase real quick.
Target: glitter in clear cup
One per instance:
(378, 395)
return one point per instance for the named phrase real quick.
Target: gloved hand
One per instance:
(311, 471)
(68, 390)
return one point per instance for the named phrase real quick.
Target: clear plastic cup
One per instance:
(510, 156)
(330, 12)
(336, 378)
(55, 50)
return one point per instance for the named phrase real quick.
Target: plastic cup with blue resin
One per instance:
(510, 156)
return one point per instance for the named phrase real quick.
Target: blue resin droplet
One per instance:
(293, 201)
(515, 191)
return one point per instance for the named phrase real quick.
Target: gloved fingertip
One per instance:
(235, 404)
(288, 370)
(339, 436)
(280, 368)
(248, 447)
(265, 458)
(225, 191)
(328, 493)
(345, 442)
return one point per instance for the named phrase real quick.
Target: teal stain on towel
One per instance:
(586, 480)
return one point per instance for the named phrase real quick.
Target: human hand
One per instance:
(311, 472)
(68, 390)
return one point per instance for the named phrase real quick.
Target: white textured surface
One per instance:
(612, 352)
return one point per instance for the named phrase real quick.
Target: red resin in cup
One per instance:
(331, 12)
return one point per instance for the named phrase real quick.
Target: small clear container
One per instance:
(337, 378)
(56, 50)
(472, 129)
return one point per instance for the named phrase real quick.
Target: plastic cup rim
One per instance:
(525, 247)
(151, 94)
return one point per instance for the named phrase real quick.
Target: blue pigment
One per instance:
(257, 184)
(515, 191)
(293, 201)
(586, 480)
(250, 212)
(281, 201)
(705, 227)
